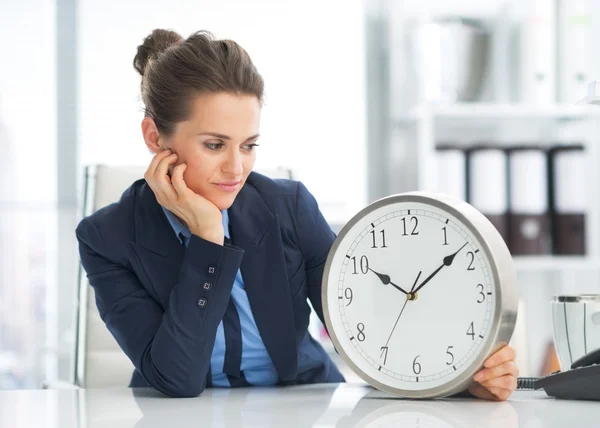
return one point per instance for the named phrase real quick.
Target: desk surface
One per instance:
(325, 405)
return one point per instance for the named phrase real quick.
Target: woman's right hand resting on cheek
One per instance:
(200, 215)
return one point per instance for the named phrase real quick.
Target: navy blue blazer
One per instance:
(148, 285)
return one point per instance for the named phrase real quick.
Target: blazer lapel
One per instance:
(255, 229)
(157, 247)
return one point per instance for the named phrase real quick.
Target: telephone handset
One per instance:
(582, 382)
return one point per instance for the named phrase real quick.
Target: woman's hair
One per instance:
(174, 70)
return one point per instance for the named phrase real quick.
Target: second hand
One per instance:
(408, 297)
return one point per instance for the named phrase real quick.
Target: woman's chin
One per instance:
(222, 202)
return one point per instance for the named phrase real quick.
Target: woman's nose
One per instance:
(233, 164)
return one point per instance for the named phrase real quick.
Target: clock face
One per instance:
(410, 296)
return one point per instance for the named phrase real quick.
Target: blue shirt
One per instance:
(257, 365)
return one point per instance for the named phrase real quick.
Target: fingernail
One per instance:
(478, 377)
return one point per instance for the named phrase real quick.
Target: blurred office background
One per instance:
(363, 99)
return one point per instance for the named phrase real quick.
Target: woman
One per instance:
(202, 271)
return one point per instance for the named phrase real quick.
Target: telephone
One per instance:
(582, 382)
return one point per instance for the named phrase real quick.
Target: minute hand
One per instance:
(447, 262)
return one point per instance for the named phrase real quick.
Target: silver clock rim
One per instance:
(503, 272)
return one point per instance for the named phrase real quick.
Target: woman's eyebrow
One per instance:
(225, 137)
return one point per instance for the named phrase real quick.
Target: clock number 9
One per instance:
(414, 231)
(416, 366)
(361, 332)
(348, 294)
(364, 265)
(481, 293)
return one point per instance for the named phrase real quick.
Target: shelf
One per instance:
(556, 263)
(487, 111)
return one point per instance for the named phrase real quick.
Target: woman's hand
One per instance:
(498, 379)
(200, 215)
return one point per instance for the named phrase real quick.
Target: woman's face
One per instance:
(217, 144)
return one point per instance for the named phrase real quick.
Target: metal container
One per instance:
(576, 320)
(453, 54)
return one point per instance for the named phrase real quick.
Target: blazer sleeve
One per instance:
(170, 348)
(315, 239)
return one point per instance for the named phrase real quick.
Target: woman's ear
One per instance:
(152, 138)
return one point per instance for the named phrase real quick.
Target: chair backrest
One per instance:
(99, 361)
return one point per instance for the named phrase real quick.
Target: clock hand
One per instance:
(386, 280)
(408, 297)
(446, 262)
(397, 319)
(415, 283)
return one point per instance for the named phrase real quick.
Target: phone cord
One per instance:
(527, 382)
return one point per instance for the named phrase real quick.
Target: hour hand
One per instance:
(386, 280)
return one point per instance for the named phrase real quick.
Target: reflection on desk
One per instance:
(325, 405)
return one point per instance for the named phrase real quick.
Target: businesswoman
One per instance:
(203, 269)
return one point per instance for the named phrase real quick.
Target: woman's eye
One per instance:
(213, 146)
(250, 147)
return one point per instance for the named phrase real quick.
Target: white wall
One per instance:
(28, 101)
(309, 52)
(28, 191)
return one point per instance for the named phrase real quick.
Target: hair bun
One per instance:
(158, 41)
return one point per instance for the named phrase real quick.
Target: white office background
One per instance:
(69, 97)
(310, 53)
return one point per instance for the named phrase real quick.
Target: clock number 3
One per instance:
(481, 293)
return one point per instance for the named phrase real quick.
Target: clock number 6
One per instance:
(416, 366)
(364, 265)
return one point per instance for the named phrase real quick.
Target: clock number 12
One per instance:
(414, 220)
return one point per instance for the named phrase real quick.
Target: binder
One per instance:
(529, 218)
(451, 171)
(487, 185)
(568, 200)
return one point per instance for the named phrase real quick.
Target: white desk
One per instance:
(325, 405)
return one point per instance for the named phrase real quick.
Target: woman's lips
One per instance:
(229, 186)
